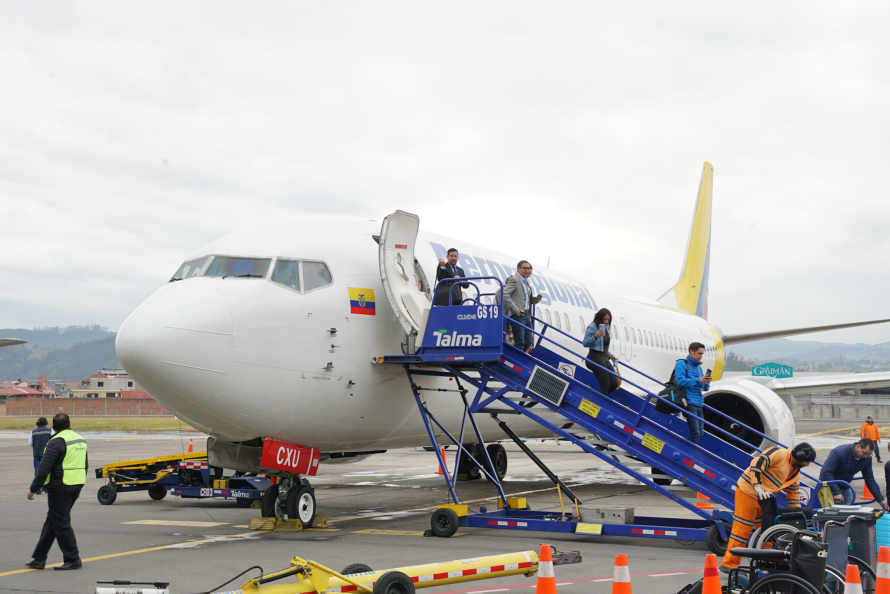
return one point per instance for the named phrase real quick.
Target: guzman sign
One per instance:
(772, 370)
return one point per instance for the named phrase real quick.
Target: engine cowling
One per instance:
(750, 403)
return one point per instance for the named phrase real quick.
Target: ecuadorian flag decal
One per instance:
(361, 301)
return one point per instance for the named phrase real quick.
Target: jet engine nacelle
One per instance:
(752, 404)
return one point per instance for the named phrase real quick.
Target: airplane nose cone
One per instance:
(176, 345)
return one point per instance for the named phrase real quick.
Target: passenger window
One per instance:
(547, 316)
(565, 318)
(652, 342)
(226, 266)
(315, 275)
(189, 269)
(287, 273)
(556, 320)
(626, 337)
(581, 326)
(634, 335)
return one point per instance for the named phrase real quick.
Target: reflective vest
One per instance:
(772, 469)
(74, 466)
(870, 431)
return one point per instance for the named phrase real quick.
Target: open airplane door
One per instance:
(403, 279)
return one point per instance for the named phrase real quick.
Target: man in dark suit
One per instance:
(448, 270)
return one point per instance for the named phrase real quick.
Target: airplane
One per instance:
(266, 339)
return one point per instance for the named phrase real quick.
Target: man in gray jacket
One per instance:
(518, 300)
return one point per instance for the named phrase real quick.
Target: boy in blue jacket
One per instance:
(688, 375)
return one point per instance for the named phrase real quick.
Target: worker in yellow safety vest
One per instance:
(62, 474)
(771, 471)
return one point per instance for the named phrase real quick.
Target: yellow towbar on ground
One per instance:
(315, 578)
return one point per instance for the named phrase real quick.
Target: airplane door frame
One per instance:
(628, 354)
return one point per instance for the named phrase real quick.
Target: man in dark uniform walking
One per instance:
(38, 439)
(62, 474)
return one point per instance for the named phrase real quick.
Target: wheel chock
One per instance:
(320, 521)
(514, 503)
(288, 526)
(262, 524)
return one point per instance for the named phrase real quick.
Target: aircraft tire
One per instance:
(356, 568)
(157, 492)
(444, 522)
(301, 505)
(270, 502)
(394, 582)
(106, 494)
(498, 456)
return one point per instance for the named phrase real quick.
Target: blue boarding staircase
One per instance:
(466, 342)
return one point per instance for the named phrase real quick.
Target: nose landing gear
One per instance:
(291, 498)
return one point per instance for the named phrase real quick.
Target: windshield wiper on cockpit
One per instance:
(248, 276)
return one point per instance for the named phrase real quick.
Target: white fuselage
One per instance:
(242, 358)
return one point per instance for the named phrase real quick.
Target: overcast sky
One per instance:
(132, 134)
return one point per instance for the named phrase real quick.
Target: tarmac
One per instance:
(377, 509)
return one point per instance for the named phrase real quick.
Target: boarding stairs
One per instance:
(466, 342)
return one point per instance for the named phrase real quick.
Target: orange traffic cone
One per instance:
(711, 583)
(191, 445)
(853, 583)
(621, 579)
(866, 494)
(546, 578)
(440, 471)
(882, 583)
(703, 504)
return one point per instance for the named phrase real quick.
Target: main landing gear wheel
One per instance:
(394, 582)
(716, 544)
(107, 494)
(157, 492)
(271, 506)
(301, 504)
(498, 456)
(444, 522)
(356, 568)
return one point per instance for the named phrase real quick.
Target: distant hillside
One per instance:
(55, 337)
(71, 364)
(810, 355)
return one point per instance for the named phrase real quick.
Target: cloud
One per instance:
(131, 135)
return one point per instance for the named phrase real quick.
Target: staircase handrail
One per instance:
(457, 283)
(720, 429)
(650, 394)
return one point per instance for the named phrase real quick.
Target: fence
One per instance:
(46, 407)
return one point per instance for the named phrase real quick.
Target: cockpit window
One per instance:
(315, 275)
(287, 273)
(226, 266)
(189, 269)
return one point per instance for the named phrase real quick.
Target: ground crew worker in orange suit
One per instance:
(870, 430)
(771, 471)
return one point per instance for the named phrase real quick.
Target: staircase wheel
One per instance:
(444, 522)
(716, 544)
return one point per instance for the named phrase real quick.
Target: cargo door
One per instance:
(403, 279)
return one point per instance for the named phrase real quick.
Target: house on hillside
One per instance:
(113, 383)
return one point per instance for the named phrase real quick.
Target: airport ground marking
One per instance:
(186, 523)
(834, 430)
(179, 545)
(398, 532)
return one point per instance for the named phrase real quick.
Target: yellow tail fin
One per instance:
(691, 291)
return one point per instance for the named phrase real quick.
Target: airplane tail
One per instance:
(691, 291)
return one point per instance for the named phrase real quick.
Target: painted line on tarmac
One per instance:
(834, 430)
(420, 509)
(179, 545)
(570, 582)
(178, 523)
(399, 532)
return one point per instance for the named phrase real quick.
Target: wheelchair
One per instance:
(796, 566)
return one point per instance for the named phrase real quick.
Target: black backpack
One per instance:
(673, 393)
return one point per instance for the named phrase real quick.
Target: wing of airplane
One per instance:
(731, 339)
(819, 383)
(11, 341)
